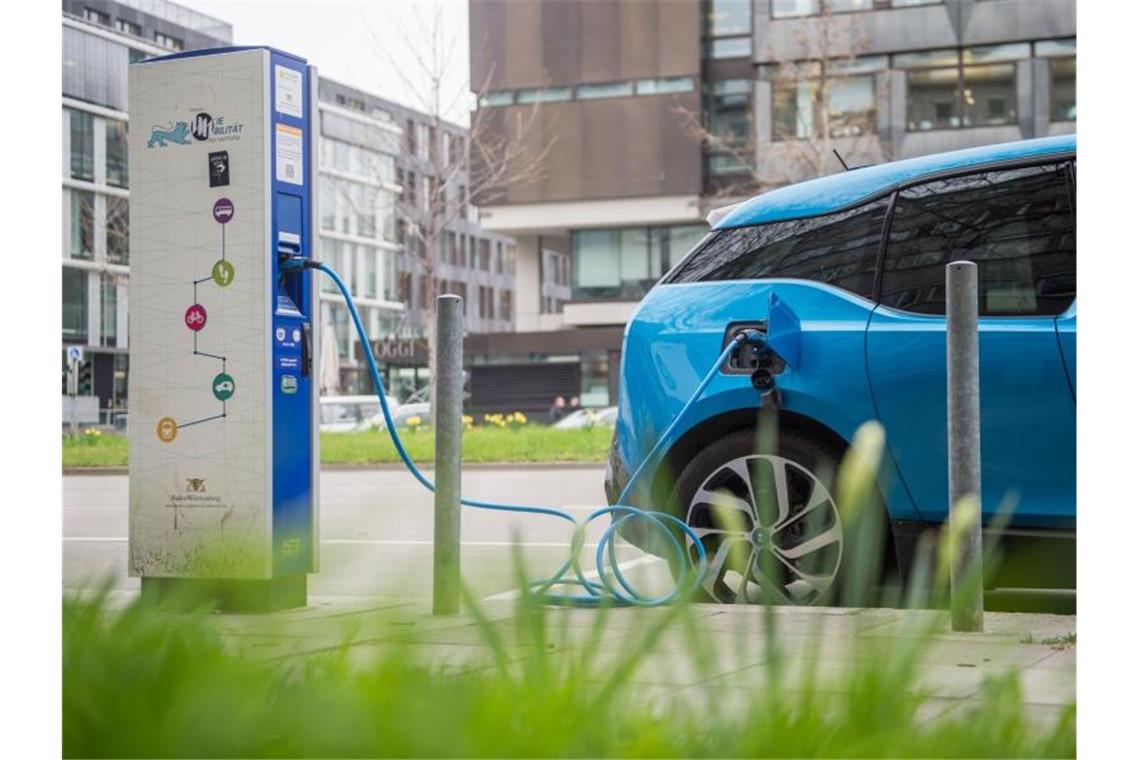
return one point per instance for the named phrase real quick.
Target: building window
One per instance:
(368, 271)
(505, 304)
(624, 263)
(664, 86)
(728, 28)
(96, 17)
(1062, 76)
(500, 98)
(166, 41)
(485, 255)
(118, 230)
(116, 153)
(948, 89)
(730, 124)
(128, 27)
(108, 309)
(1017, 224)
(546, 95)
(74, 304)
(1063, 92)
(82, 145)
(800, 8)
(801, 109)
(82, 235)
(332, 251)
(607, 90)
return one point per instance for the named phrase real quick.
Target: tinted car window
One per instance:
(839, 249)
(1017, 224)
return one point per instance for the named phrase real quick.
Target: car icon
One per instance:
(849, 269)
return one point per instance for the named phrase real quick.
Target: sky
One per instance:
(344, 40)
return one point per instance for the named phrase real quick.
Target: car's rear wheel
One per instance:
(769, 523)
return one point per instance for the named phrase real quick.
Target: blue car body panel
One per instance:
(836, 191)
(1027, 410)
(677, 334)
(862, 361)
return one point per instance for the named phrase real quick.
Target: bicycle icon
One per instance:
(195, 317)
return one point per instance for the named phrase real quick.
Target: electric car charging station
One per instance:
(224, 447)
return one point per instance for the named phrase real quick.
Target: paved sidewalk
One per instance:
(830, 642)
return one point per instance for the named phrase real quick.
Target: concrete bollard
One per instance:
(964, 439)
(448, 415)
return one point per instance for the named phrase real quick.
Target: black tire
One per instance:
(773, 576)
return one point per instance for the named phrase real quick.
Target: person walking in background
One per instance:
(557, 410)
(575, 405)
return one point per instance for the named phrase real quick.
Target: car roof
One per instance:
(824, 195)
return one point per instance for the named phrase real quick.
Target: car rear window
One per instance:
(839, 249)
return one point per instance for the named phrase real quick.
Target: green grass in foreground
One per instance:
(533, 443)
(147, 681)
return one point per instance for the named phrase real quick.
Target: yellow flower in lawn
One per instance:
(414, 422)
(468, 419)
(93, 432)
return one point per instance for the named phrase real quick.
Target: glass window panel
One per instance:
(1016, 224)
(851, 106)
(1050, 48)
(501, 98)
(931, 99)
(839, 249)
(793, 8)
(108, 311)
(730, 47)
(989, 95)
(74, 304)
(547, 95)
(848, 6)
(95, 69)
(726, 163)
(727, 17)
(861, 65)
(82, 233)
(116, 153)
(82, 145)
(118, 230)
(1063, 96)
(597, 266)
(607, 90)
(663, 86)
(926, 59)
(792, 110)
(995, 53)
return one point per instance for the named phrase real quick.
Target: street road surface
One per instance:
(376, 531)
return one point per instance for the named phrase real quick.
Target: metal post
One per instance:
(448, 416)
(963, 418)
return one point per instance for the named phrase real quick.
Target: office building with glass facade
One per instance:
(654, 113)
(365, 168)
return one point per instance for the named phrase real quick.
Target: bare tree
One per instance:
(477, 164)
(817, 69)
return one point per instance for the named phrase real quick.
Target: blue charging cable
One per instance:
(614, 586)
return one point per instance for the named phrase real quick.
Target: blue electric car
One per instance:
(852, 267)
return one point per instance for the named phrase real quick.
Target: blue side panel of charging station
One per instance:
(294, 310)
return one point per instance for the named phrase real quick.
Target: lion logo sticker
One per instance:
(176, 133)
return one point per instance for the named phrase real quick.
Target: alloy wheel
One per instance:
(771, 532)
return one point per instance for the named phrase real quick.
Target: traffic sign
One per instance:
(75, 354)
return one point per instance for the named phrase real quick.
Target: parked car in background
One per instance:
(400, 415)
(588, 418)
(848, 273)
(342, 414)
